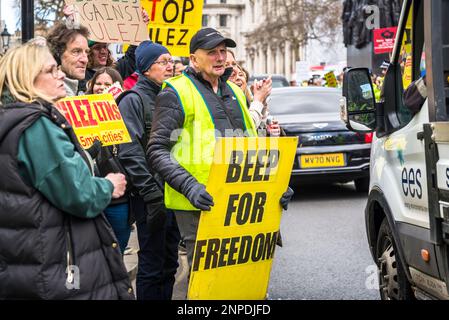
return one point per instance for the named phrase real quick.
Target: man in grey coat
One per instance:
(157, 230)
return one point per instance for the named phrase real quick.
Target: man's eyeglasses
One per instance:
(165, 62)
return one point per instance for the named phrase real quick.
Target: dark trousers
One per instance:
(188, 227)
(158, 255)
(117, 216)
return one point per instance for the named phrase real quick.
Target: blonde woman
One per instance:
(259, 111)
(55, 243)
(261, 89)
(241, 79)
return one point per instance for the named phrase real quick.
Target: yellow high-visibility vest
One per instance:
(194, 149)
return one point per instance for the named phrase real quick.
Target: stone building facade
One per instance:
(241, 20)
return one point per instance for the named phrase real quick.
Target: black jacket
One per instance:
(132, 155)
(39, 241)
(89, 75)
(169, 116)
(82, 86)
(126, 65)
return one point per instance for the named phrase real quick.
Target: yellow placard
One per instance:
(111, 21)
(173, 23)
(406, 61)
(331, 80)
(236, 240)
(95, 116)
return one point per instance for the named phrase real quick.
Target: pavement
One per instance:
(130, 257)
(131, 263)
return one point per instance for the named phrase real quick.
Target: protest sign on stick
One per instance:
(236, 240)
(94, 117)
(173, 23)
(111, 21)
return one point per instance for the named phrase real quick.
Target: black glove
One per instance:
(286, 197)
(156, 215)
(199, 197)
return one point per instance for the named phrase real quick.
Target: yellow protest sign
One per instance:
(173, 23)
(93, 117)
(331, 80)
(407, 52)
(111, 21)
(236, 240)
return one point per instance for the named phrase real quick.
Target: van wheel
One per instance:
(393, 283)
(362, 184)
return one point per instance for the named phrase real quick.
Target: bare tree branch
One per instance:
(299, 21)
(46, 12)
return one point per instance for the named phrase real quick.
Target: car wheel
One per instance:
(362, 184)
(393, 282)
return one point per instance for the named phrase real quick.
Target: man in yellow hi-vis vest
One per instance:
(191, 111)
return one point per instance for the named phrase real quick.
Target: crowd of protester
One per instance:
(53, 193)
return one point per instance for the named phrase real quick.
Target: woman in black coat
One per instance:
(54, 240)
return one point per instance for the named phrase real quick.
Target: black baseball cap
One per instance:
(209, 38)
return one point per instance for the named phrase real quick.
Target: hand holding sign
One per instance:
(236, 241)
(118, 181)
(73, 20)
(286, 197)
(200, 198)
(116, 89)
(145, 17)
(95, 116)
(69, 10)
(110, 21)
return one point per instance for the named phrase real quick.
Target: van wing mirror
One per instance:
(357, 107)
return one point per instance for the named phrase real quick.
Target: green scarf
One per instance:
(7, 97)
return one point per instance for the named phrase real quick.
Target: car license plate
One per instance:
(322, 160)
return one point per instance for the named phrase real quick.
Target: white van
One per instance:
(407, 214)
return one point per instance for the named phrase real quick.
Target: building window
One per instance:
(204, 21)
(223, 20)
(222, 1)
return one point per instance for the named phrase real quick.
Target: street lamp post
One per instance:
(27, 20)
(6, 36)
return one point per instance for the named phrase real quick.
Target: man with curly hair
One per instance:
(70, 49)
